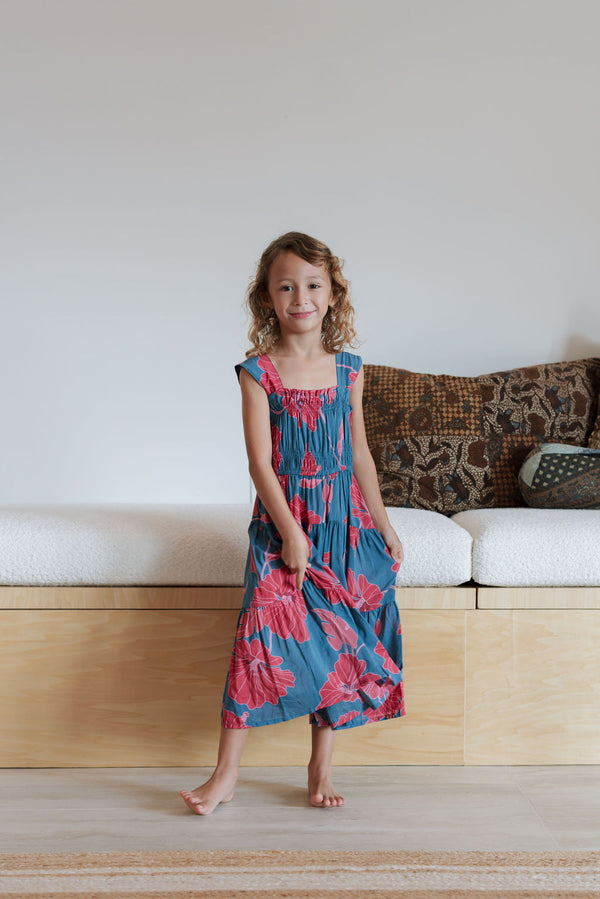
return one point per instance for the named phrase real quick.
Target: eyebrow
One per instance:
(309, 278)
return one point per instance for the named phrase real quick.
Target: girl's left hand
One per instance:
(392, 541)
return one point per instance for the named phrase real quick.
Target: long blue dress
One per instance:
(333, 649)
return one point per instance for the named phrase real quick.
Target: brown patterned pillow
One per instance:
(594, 441)
(450, 443)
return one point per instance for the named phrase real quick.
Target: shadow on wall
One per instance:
(580, 346)
(583, 329)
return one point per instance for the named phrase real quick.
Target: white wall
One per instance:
(150, 149)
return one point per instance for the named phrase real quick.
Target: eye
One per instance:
(285, 287)
(315, 285)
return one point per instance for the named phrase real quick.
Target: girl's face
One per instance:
(299, 292)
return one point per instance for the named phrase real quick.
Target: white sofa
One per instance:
(206, 545)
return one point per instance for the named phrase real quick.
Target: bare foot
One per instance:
(204, 799)
(320, 790)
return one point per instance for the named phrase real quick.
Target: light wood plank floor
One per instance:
(391, 807)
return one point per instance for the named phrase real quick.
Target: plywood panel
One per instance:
(532, 687)
(436, 597)
(538, 598)
(84, 597)
(65, 597)
(130, 687)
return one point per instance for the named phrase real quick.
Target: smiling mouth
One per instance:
(302, 314)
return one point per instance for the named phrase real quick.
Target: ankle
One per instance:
(226, 772)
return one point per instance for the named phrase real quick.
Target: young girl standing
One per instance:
(319, 632)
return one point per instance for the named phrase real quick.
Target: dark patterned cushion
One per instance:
(557, 476)
(450, 443)
(594, 441)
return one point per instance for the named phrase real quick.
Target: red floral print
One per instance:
(347, 716)
(388, 662)
(255, 676)
(359, 506)
(301, 512)
(276, 456)
(230, 720)
(347, 678)
(338, 632)
(309, 465)
(304, 411)
(285, 617)
(391, 707)
(368, 595)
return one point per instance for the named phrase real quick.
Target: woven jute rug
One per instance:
(283, 874)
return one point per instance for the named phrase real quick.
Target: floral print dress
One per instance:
(333, 649)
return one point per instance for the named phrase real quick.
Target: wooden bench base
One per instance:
(133, 676)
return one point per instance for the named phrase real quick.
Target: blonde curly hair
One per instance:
(337, 330)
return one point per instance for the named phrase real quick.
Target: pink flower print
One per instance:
(303, 410)
(340, 443)
(377, 628)
(338, 632)
(353, 535)
(388, 662)
(276, 456)
(327, 493)
(347, 678)
(234, 721)
(285, 616)
(246, 626)
(347, 716)
(359, 506)
(268, 379)
(326, 580)
(342, 683)
(278, 583)
(255, 676)
(368, 596)
(309, 464)
(302, 513)
(391, 706)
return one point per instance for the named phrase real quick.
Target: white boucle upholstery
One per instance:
(437, 552)
(124, 544)
(195, 545)
(534, 547)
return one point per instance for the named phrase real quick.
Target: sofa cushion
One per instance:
(124, 544)
(437, 552)
(560, 476)
(447, 443)
(191, 545)
(534, 547)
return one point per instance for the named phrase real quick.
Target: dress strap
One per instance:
(261, 370)
(348, 368)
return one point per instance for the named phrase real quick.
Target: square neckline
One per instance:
(305, 389)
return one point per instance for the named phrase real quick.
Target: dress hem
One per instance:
(351, 723)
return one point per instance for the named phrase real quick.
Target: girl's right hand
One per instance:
(295, 552)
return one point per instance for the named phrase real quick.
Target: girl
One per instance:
(319, 631)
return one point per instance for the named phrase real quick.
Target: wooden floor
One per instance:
(529, 808)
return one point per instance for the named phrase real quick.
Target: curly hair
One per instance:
(337, 329)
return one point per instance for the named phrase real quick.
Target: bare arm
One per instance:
(257, 434)
(366, 473)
